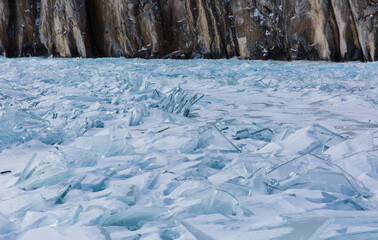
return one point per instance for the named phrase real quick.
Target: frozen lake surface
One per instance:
(198, 149)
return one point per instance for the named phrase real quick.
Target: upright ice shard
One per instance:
(45, 173)
(177, 101)
(19, 126)
(8, 137)
(136, 115)
(195, 231)
(26, 173)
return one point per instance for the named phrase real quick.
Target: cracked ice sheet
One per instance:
(114, 147)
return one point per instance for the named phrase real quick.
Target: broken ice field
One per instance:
(196, 149)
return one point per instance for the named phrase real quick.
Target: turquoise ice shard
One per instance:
(77, 158)
(307, 229)
(331, 134)
(77, 127)
(118, 133)
(264, 134)
(125, 193)
(168, 234)
(220, 202)
(67, 215)
(228, 173)
(136, 114)
(117, 99)
(97, 144)
(190, 146)
(22, 120)
(8, 137)
(218, 161)
(135, 217)
(208, 201)
(177, 101)
(27, 172)
(210, 138)
(18, 206)
(19, 126)
(94, 182)
(327, 138)
(153, 180)
(314, 139)
(98, 124)
(363, 166)
(46, 177)
(283, 134)
(255, 131)
(119, 148)
(310, 172)
(51, 136)
(6, 226)
(362, 142)
(49, 172)
(198, 234)
(106, 145)
(235, 148)
(62, 193)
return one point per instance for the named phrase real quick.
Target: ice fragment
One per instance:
(310, 172)
(256, 132)
(6, 226)
(26, 173)
(363, 142)
(195, 231)
(238, 170)
(136, 115)
(19, 205)
(135, 217)
(168, 234)
(177, 101)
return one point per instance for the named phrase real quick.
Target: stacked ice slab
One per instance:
(92, 154)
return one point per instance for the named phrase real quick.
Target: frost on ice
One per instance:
(163, 149)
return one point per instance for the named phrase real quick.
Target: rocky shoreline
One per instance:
(334, 30)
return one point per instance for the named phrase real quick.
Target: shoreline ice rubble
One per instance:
(199, 149)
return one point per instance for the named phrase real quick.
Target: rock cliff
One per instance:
(337, 30)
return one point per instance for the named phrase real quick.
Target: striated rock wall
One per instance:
(4, 20)
(337, 30)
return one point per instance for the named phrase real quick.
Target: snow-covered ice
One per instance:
(196, 149)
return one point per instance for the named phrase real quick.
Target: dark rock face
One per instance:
(4, 20)
(63, 28)
(337, 30)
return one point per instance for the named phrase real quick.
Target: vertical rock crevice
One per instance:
(70, 28)
(24, 16)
